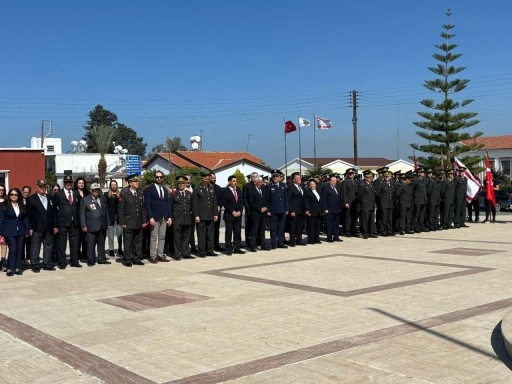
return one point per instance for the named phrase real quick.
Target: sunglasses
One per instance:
(13, 194)
(56, 190)
(159, 177)
(2, 190)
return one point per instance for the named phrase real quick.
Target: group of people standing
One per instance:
(83, 219)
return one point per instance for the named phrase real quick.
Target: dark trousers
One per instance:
(459, 211)
(433, 215)
(419, 216)
(233, 232)
(70, 231)
(277, 224)
(216, 232)
(192, 240)
(248, 230)
(82, 245)
(367, 223)
(169, 247)
(313, 227)
(46, 238)
(349, 219)
(132, 244)
(405, 220)
(181, 239)
(25, 250)
(205, 233)
(296, 228)
(15, 245)
(386, 220)
(490, 208)
(473, 206)
(332, 223)
(96, 242)
(447, 214)
(257, 231)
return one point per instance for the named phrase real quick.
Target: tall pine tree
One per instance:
(445, 118)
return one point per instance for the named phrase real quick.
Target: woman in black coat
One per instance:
(313, 218)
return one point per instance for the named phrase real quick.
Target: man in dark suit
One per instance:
(156, 202)
(94, 222)
(448, 199)
(245, 192)
(233, 203)
(257, 201)
(297, 209)
(419, 199)
(384, 195)
(216, 228)
(181, 215)
(41, 213)
(349, 209)
(132, 217)
(68, 223)
(331, 201)
(205, 208)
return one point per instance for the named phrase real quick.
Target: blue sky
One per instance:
(232, 68)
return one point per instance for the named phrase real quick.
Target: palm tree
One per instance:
(318, 171)
(102, 137)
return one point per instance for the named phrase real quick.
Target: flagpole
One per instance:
(300, 152)
(314, 137)
(285, 155)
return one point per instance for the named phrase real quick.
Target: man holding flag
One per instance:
(490, 187)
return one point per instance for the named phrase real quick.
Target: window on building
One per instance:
(4, 179)
(50, 148)
(505, 167)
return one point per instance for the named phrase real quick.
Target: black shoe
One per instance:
(365, 237)
(48, 267)
(10, 273)
(373, 236)
(62, 266)
(211, 253)
(252, 249)
(485, 221)
(409, 232)
(194, 250)
(36, 269)
(177, 258)
(348, 234)
(188, 257)
(330, 241)
(229, 253)
(19, 272)
(219, 249)
(338, 239)
(265, 248)
(120, 252)
(239, 252)
(464, 226)
(291, 245)
(301, 243)
(104, 262)
(274, 247)
(111, 253)
(162, 259)
(76, 265)
(153, 260)
(91, 264)
(127, 264)
(282, 246)
(402, 232)
(201, 254)
(138, 262)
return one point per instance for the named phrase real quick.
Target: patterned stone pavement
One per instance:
(422, 308)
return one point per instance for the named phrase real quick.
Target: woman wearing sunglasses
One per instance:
(14, 227)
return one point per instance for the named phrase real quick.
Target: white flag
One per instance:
(473, 183)
(304, 122)
(322, 123)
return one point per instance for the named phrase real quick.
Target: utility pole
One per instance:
(353, 102)
(42, 134)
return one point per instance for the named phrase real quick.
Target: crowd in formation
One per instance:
(157, 221)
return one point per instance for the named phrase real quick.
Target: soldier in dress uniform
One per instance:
(349, 209)
(366, 196)
(277, 209)
(376, 183)
(181, 215)
(396, 181)
(384, 195)
(419, 198)
(448, 198)
(404, 195)
(459, 208)
(132, 217)
(433, 201)
(205, 210)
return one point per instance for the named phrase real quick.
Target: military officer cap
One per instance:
(410, 176)
(420, 170)
(205, 176)
(397, 173)
(462, 169)
(428, 170)
(276, 172)
(132, 177)
(382, 169)
(388, 173)
(368, 173)
(264, 178)
(448, 171)
(350, 170)
(439, 173)
(181, 179)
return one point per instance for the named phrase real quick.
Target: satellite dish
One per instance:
(83, 143)
(193, 138)
(198, 139)
(74, 143)
(195, 146)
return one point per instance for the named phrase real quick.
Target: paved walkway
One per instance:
(422, 308)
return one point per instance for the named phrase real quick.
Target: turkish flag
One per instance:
(289, 127)
(489, 184)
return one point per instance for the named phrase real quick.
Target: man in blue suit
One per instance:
(331, 201)
(158, 210)
(277, 209)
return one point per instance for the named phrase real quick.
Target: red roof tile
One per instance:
(215, 160)
(493, 142)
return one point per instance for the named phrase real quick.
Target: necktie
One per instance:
(70, 199)
(98, 203)
(182, 194)
(300, 189)
(44, 201)
(259, 191)
(236, 196)
(160, 192)
(335, 190)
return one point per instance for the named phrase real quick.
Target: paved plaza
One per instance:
(422, 308)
